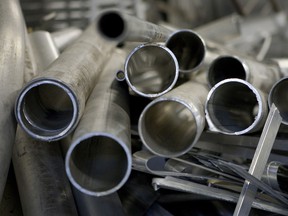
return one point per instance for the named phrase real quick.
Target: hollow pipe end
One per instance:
(216, 125)
(71, 174)
(32, 116)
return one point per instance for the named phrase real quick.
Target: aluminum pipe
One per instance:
(43, 49)
(65, 37)
(278, 96)
(260, 75)
(50, 106)
(171, 124)
(235, 107)
(151, 70)
(117, 26)
(12, 46)
(42, 182)
(189, 49)
(98, 162)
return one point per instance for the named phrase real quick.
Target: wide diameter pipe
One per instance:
(98, 162)
(170, 125)
(50, 106)
(43, 186)
(235, 107)
(259, 74)
(151, 70)
(12, 46)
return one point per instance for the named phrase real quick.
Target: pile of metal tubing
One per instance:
(133, 118)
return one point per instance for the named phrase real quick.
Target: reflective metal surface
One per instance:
(151, 70)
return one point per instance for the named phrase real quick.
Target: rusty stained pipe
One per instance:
(235, 107)
(170, 125)
(151, 70)
(50, 106)
(259, 74)
(98, 161)
(12, 60)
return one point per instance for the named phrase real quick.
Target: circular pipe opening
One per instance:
(279, 96)
(151, 70)
(189, 49)
(98, 165)
(233, 107)
(225, 67)
(111, 25)
(167, 128)
(47, 110)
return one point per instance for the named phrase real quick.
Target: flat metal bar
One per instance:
(259, 161)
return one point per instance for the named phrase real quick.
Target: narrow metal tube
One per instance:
(189, 49)
(278, 96)
(171, 124)
(151, 70)
(12, 43)
(235, 107)
(117, 26)
(42, 182)
(259, 74)
(98, 162)
(65, 37)
(50, 105)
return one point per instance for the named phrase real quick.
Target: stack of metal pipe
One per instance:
(73, 151)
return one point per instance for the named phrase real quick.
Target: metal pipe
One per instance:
(48, 52)
(65, 37)
(42, 182)
(189, 49)
(151, 70)
(171, 124)
(50, 106)
(98, 162)
(235, 107)
(278, 96)
(12, 34)
(259, 74)
(117, 26)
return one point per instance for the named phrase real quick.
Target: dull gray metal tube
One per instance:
(50, 106)
(235, 107)
(12, 34)
(42, 182)
(43, 49)
(65, 37)
(171, 124)
(117, 26)
(189, 49)
(151, 70)
(98, 162)
(278, 96)
(259, 74)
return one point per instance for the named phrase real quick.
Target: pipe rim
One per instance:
(173, 58)
(258, 118)
(83, 138)
(201, 40)
(198, 129)
(21, 100)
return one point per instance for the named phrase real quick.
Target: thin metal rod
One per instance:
(12, 43)
(98, 161)
(50, 106)
(259, 161)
